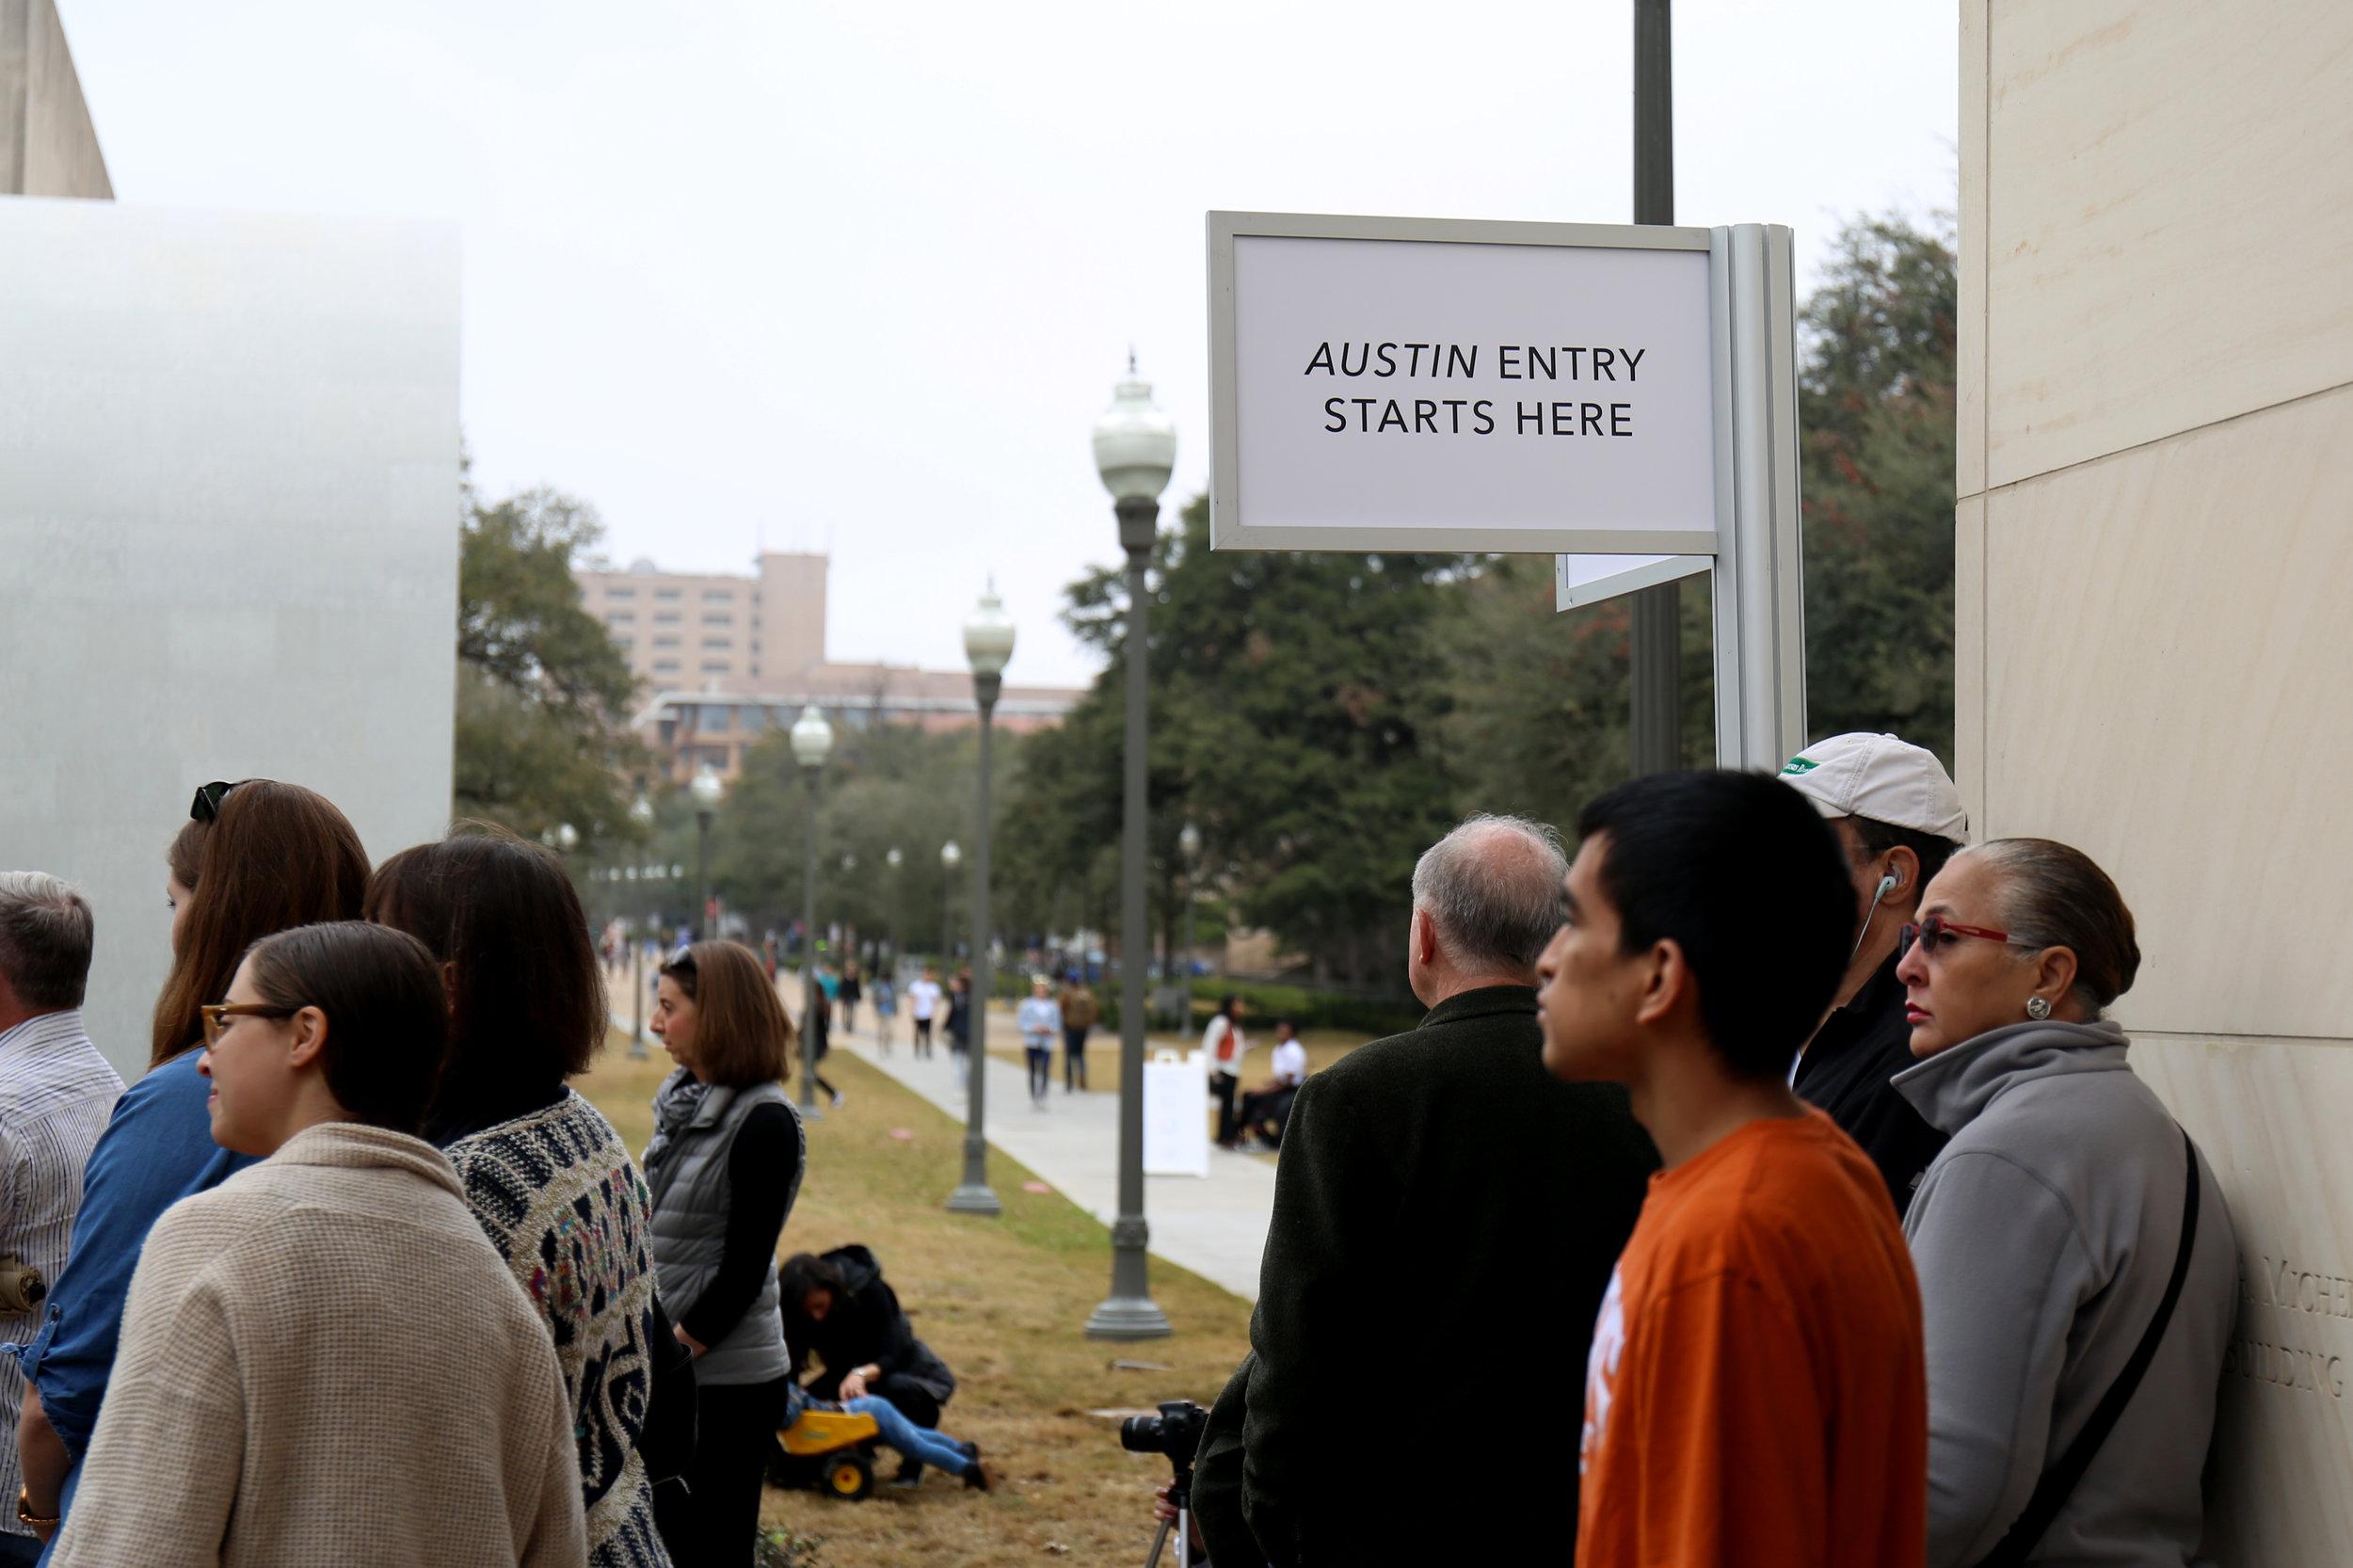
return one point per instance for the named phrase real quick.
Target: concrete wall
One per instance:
(2154, 556)
(229, 513)
(47, 144)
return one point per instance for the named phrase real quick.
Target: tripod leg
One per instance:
(1184, 1538)
(1161, 1540)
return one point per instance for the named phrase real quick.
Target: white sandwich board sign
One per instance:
(1592, 389)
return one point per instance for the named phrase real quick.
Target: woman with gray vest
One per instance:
(2078, 1274)
(725, 1165)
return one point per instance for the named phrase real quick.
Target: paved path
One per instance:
(1215, 1225)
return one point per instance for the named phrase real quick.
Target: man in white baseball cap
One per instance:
(1899, 818)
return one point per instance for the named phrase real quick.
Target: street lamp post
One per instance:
(1188, 846)
(640, 812)
(948, 856)
(890, 917)
(987, 645)
(1135, 450)
(813, 742)
(707, 788)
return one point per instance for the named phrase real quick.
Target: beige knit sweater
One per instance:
(324, 1361)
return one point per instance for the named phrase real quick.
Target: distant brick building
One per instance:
(724, 659)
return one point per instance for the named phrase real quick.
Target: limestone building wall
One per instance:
(2155, 614)
(47, 144)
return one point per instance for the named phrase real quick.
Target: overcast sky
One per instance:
(859, 277)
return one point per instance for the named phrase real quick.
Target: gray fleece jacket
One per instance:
(2043, 1236)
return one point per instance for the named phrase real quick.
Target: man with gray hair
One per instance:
(56, 1093)
(1445, 1217)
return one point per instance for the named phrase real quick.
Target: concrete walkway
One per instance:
(1214, 1226)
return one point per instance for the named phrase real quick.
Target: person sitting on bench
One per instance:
(1264, 1110)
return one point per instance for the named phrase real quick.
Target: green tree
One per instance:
(542, 691)
(1296, 700)
(1876, 401)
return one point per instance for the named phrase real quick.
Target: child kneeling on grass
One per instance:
(894, 1430)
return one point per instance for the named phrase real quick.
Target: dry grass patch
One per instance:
(1004, 1302)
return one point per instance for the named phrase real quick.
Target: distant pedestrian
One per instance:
(852, 991)
(1223, 1044)
(1080, 1011)
(55, 1092)
(1755, 1392)
(960, 1015)
(820, 1045)
(923, 1000)
(527, 1012)
(1039, 1021)
(269, 1405)
(725, 1167)
(886, 1011)
(255, 857)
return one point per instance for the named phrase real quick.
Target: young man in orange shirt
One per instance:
(1755, 1393)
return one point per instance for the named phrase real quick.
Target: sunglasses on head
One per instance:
(206, 807)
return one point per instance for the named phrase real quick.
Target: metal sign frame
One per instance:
(1758, 562)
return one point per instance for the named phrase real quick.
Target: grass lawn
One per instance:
(1004, 1302)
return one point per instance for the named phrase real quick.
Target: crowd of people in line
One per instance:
(352, 1274)
(1767, 1186)
(1781, 1132)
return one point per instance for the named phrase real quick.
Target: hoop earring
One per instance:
(2038, 1009)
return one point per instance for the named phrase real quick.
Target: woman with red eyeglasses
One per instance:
(2078, 1274)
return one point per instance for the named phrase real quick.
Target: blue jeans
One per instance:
(897, 1432)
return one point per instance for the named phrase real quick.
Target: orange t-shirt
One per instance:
(1756, 1394)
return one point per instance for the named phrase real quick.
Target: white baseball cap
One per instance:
(1881, 777)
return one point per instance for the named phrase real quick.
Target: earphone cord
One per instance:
(1887, 885)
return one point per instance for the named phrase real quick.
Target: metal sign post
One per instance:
(1420, 384)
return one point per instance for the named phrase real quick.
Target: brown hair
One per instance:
(187, 854)
(742, 1033)
(527, 1003)
(386, 1015)
(277, 856)
(2056, 896)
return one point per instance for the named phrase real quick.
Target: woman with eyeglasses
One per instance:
(725, 1167)
(551, 1182)
(255, 858)
(2079, 1272)
(270, 1402)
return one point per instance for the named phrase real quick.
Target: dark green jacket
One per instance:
(1447, 1215)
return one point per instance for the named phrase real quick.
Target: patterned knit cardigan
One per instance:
(566, 1205)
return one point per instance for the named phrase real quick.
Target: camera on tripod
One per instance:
(1174, 1432)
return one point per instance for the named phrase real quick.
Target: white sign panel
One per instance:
(1176, 1115)
(1421, 385)
(1582, 579)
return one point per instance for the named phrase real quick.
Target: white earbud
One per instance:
(1888, 884)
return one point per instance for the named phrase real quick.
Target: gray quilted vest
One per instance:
(691, 1198)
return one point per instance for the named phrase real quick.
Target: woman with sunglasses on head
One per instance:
(271, 1403)
(550, 1180)
(255, 857)
(725, 1167)
(2079, 1272)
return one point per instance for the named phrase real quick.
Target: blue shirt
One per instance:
(157, 1149)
